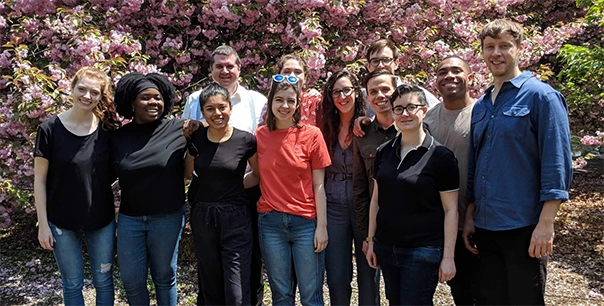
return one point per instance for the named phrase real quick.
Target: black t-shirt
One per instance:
(221, 166)
(411, 212)
(78, 183)
(149, 162)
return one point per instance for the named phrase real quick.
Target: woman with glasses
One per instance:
(292, 217)
(220, 218)
(413, 211)
(72, 186)
(310, 99)
(342, 104)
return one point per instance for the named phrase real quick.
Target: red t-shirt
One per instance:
(309, 106)
(286, 159)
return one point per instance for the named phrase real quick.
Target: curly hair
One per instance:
(128, 88)
(328, 118)
(105, 110)
(276, 87)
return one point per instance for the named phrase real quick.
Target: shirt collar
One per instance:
(240, 91)
(375, 126)
(427, 143)
(516, 81)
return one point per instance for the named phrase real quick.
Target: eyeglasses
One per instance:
(376, 61)
(347, 91)
(411, 109)
(290, 79)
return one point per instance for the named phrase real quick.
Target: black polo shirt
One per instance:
(411, 213)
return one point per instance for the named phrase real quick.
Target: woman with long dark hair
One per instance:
(342, 104)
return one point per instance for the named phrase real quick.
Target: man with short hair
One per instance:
(246, 114)
(383, 54)
(519, 172)
(449, 124)
(379, 85)
(225, 66)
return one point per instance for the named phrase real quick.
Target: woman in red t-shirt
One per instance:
(292, 223)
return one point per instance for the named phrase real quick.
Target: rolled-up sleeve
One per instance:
(554, 147)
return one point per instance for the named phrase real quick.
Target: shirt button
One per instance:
(483, 177)
(492, 116)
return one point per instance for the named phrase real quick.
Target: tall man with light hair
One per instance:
(519, 172)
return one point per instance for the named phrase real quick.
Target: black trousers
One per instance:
(508, 275)
(465, 286)
(223, 245)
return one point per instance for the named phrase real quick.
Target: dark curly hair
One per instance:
(128, 88)
(328, 118)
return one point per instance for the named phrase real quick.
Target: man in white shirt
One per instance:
(225, 67)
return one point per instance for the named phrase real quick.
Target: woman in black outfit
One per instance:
(148, 157)
(220, 218)
(413, 211)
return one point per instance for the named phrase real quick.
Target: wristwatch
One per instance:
(369, 239)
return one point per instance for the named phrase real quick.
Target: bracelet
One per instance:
(369, 239)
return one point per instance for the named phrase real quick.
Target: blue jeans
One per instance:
(283, 238)
(342, 231)
(410, 274)
(68, 253)
(149, 241)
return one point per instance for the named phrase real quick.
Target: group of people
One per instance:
(463, 191)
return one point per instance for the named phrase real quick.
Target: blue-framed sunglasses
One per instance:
(290, 79)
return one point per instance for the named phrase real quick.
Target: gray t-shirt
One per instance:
(452, 129)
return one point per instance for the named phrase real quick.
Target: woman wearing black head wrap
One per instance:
(148, 158)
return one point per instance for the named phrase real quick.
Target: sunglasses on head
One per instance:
(278, 78)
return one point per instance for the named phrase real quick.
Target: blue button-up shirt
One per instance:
(519, 153)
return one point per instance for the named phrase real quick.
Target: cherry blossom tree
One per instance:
(45, 41)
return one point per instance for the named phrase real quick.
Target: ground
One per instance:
(29, 276)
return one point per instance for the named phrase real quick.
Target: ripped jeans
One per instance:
(68, 253)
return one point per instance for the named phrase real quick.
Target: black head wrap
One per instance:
(131, 84)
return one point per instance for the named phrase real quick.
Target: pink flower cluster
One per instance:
(45, 42)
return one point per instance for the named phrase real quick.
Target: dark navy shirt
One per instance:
(411, 212)
(519, 153)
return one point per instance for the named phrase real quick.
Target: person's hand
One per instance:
(356, 129)
(468, 236)
(45, 237)
(370, 256)
(190, 126)
(542, 240)
(365, 246)
(446, 271)
(320, 239)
